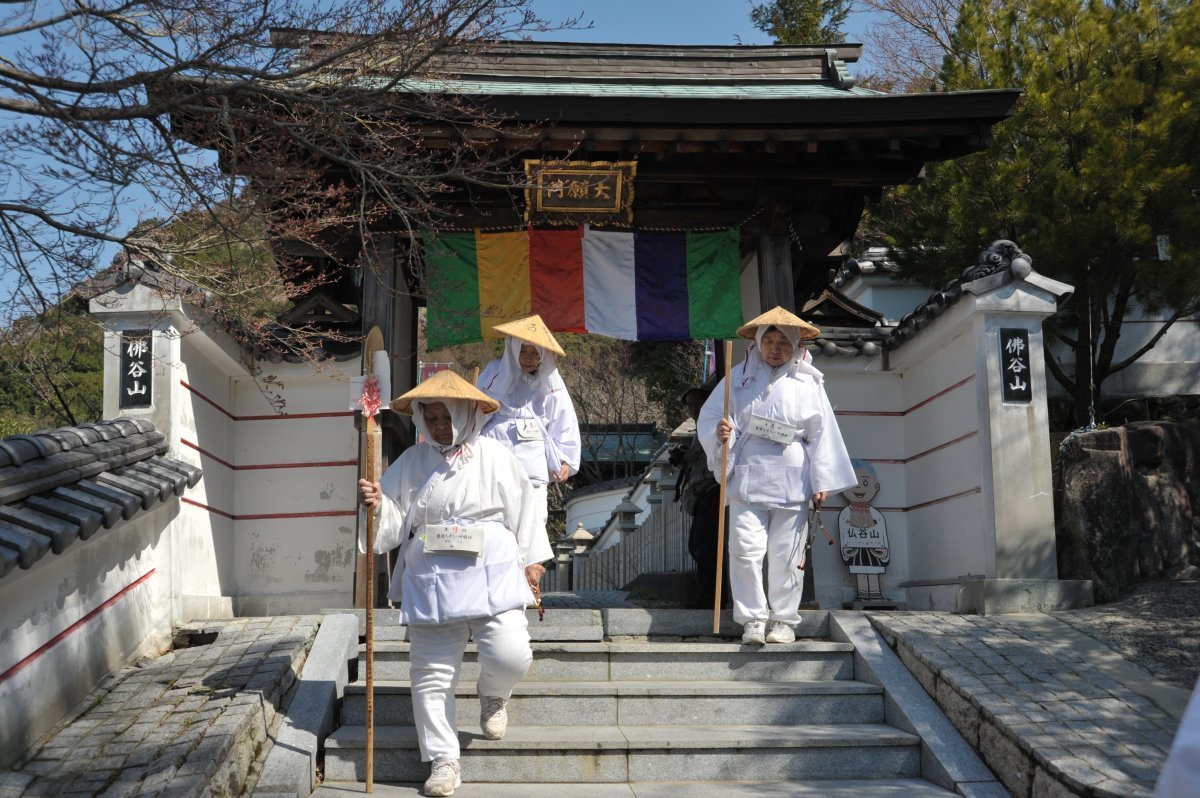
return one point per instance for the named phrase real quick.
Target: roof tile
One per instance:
(63, 485)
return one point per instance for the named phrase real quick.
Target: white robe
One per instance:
(763, 473)
(486, 486)
(548, 407)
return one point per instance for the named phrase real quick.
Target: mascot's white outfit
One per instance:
(770, 482)
(446, 598)
(536, 416)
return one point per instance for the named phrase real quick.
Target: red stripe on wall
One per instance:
(950, 498)
(186, 500)
(207, 453)
(881, 413)
(65, 633)
(901, 413)
(939, 447)
(206, 399)
(326, 464)
(940, 393)
(269, 516)
(825, 508)
(270, 416)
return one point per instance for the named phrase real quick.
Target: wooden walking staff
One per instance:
(376, 372)
(721, 502)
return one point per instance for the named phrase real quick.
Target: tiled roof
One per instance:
(63, 485)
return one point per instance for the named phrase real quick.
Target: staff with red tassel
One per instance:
(375, 382)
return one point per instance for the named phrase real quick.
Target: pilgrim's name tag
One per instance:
(528, 430)
(453, 539)
(772, 430)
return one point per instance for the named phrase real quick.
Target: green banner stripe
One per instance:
(714, 284)
(452, 290)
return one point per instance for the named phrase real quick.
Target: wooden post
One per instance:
(721, 502)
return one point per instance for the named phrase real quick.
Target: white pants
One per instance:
(436, 658)
(779, 537)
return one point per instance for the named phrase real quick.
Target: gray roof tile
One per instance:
(65, 485)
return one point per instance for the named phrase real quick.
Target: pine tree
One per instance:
(802, 21)
(1101, 158)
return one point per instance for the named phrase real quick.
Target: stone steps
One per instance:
(626, 702)
(875, 788)
(804, 660)
(591, 753)
(642, 703)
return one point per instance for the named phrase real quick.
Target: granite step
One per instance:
(584, 625)
(642, 703)
(588, 753)
(804, 660)
(875, 788)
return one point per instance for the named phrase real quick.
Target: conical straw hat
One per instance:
(444, 385)
(533, 330)
(778, 317)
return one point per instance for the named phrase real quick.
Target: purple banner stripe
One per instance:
(662, 279)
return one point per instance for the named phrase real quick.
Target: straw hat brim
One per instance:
(778, 317)
(533, 330)
(441, 386)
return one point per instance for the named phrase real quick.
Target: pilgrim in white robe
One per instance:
(478, 484)
(536, 416)
(771, 482)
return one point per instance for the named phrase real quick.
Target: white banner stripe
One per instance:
(610, 303)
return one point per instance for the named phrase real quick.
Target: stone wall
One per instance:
(1126, 502)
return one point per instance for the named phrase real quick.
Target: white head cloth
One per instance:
(755, 365)
(466, 420)
(512, 386)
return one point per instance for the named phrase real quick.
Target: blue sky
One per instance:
(666, 21)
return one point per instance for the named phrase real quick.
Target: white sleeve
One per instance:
(563, 426)
(389, 517)
(518, 499)
(706, 427)
(831, 469)
(487, 376)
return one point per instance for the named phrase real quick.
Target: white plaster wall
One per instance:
(302, 559)
(890, 297)
(1169, 369)
(206, 575)
(593, 510)
(861, 394)
(951, 538)
(75, 617)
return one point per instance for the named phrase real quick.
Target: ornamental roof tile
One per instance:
(63, 485)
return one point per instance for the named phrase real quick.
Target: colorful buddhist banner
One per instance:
(637, 286)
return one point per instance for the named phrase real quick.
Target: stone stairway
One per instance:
(644, 702)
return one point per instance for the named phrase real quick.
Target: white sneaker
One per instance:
(752, 633)
(493, 717)
(781, 633)
(443, 778)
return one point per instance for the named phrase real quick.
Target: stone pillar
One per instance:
(563, 549)
(626, 513)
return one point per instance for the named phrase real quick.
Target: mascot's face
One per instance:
(866, 489)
